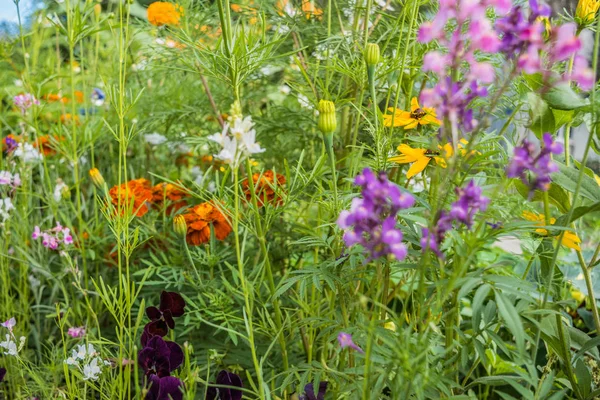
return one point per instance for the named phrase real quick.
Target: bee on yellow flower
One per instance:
(586, 11)
(570, 239)
(417, 116)
(420, 158)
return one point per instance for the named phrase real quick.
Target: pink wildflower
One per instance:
(345, 340)
(76, 332)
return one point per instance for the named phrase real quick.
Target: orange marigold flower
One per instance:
(136, 191)
(310, 10)
(199, 220)
(163, 13)
(265, 187)
(45, 146)
(67, 118)
(51, 98)
(79, 96)
(168, 191)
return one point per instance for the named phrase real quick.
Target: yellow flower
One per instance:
(586, 10)
(420, 158)
(570, 239)
(597, 178)
(577, 295)
(163, 13)
(410, 120)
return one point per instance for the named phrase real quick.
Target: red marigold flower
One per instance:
(265, 187)
(137, 191)
(199, 220)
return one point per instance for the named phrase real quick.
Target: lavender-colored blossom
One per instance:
(523, 40)
(371, 220)
(310, 394)
(165, 388)
(472, 33)
(225, 378)
(53, 238)
(76, 332)
(345, 340)
(10, 144)
(539, 164)
(469, 202)
(10, 323)
(463, 210)
(25, 101)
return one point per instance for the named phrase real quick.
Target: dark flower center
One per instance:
(418, 113)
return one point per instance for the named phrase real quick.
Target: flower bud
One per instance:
(97, 10)
(327, 119)
(179, 225)
(371, 54)
(65, 192)
(586, 11)
(97, 178)
(236, 110)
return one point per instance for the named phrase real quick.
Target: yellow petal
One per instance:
(430, 119)
(410, 152)
(441, 162)
(571, 240)
(418, 166)
(414, 104)
(412, 124)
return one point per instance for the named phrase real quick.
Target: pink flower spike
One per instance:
(434, 62)
(482, 72)
(566, 43)
(36, 233)
(10, 323)
(582, 73)
(76, 332)
(345, 340)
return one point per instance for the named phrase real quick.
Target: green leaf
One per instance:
(513, 320)
(542, 119)
(562, 117)
(563, 97)
(567, 178)
(557, 195)
(577, 213)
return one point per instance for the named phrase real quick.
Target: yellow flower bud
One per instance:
(327, 119)
(577, 295)
(371, 54)
(97, 10)
(179, 225)
(586, 11)
(236, 110)
(97, 177)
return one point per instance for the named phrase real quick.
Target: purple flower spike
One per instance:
(371, 220)
(160, 357)
(165, 388)
(463, 210)
(345, 340)
(528, 160)
(310, 394)
(171, 305)
(227, 379)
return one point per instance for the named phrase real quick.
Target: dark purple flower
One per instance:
(2, 373)
(371, 220)
(527, 160)
(159, 357)
(310, 394)
(171, 305)
(165, 388)
(10, 144)
(225, 378)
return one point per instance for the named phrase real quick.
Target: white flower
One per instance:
(155, 138)
(27, 153)
(91, 370)
(384, 4)
(304, 103)
(241, 126)
(6, 205)
(18, 83)
(249, 142)
(5, 178)
(58, 190)
(34, 282)
(10, 346)
(285, 89)
(220, 137)
(229, 152)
